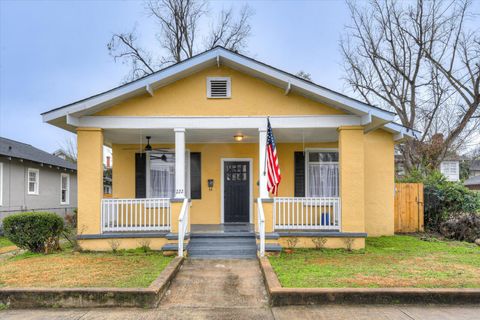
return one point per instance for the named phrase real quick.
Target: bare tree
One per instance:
(179, 35)
(420, 61)
(69, 149)
(304, 75)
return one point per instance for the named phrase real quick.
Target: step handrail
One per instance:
(182, 226)
(261, 226)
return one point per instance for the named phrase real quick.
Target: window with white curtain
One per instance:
(161, 174)
(321, 173)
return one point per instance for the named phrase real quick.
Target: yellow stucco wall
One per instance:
(122, 243)
(90, 179)
(208, 209)
(250, 96)
(366, 160)
(352, 194)
(332, 242)
(379, 183)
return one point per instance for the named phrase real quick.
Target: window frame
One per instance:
(445, 168)
(187, 172)
(67, 190)
(307, 158)
(229, 87)
(36, 192)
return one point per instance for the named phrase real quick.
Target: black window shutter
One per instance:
(140, 175)
(195, 175)
(299, 174)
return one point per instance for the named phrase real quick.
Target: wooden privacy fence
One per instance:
(408, 207)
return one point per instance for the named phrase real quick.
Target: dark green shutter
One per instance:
(299, 173)
(140, 175)
(195, 175)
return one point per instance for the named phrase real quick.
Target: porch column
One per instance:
(262, 143)
(90, 179)
(179, 163)
(352, 178)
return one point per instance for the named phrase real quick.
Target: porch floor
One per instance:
(221, 228)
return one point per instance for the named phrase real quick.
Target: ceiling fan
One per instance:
(148, 148)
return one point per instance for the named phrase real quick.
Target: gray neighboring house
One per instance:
(35, 180)
(473, 182)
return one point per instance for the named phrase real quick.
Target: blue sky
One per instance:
(54, 52)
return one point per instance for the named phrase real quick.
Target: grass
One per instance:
(124, 269)
(396, 261)
(4, 242)
(6, 245)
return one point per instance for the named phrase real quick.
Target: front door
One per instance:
(236, 191)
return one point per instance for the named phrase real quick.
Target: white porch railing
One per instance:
(261, 226)
(307, 213)
(183, 225)
(150, 214)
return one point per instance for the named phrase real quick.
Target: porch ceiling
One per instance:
(167, 136)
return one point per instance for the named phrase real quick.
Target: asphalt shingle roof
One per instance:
(475, 165)
(15, 149)
(472, 181)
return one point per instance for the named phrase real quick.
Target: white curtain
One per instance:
(162, 179)
(323, 180)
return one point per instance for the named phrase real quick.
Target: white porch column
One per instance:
(262, 143)
(179, 163)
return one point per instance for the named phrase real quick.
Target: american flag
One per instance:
(273, 168)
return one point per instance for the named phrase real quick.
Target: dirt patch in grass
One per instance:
(398, 261)
(7, 249)
(68, 269)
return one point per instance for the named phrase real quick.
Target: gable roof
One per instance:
(20, 150)
(221, 56)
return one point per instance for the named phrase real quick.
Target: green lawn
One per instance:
(124, 269)
(397, 261)
(4, 242)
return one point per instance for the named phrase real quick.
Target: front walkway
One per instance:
(233, 289)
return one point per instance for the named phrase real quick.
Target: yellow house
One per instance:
(188, 152)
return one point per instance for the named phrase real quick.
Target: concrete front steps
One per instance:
(234, 245)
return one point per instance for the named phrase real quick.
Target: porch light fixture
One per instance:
(148, 147)
(238, 137)
(210, 184)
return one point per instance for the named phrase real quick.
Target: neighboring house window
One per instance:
(65, 188)
(451, 170)
(33, 180)
(1, 183)
(161, 175)
(219, 87)
(322, 173)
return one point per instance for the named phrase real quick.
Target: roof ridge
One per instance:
(218, 47)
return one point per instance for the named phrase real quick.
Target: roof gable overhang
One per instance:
(372, 117)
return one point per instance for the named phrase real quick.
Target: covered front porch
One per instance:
(196, 172)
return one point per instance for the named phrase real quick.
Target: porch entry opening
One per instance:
(236, 191)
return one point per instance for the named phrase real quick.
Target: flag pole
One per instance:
(265, 150)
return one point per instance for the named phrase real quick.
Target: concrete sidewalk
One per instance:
(280, 313)
(234, 289)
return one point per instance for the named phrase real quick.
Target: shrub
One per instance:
(71, 219)
(319, 242)
(443, 199)
(465, 227)
(292, 242)
(34, 231)
(348, 243)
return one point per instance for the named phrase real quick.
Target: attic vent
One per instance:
(218, 87)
